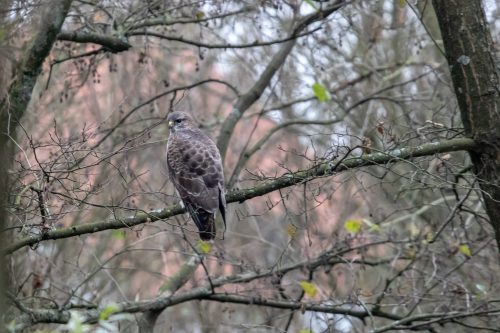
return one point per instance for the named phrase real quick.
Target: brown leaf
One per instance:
(380, 127)
(367, 145)
(37, 281)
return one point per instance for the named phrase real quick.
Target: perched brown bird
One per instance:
(195, 169)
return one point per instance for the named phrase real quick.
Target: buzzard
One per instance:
(195, 169)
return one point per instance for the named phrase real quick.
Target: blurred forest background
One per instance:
(299, 96)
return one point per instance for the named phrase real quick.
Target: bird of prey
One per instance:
(195, 169)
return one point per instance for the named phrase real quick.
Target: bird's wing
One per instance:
(222, 203)
(195, 169)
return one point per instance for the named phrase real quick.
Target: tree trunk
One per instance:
(5, 75)
(469, 51)
(14, 99)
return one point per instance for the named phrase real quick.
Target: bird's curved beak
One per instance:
(170, 124)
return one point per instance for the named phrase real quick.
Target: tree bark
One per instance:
(469, 51)
(30, 66)
(5, 73)
(14, 99)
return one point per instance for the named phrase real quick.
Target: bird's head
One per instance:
(179, 120)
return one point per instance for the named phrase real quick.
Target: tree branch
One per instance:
(214, 45)
(153, 307)
(165, 22)
(256, 147)
(154, 98)
(327, 168)
(116, 44)
(184, 273)
(254, 93)
(113, 44)
(400, 321)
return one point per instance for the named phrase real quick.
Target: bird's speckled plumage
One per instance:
(195, 169)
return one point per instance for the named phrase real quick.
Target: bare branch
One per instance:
(327, 168)
(163, 21)
(156, 305)
(111, 43)
(255, 148)
(153, 307)
(254, 93)
(184, 273)
(218, 46)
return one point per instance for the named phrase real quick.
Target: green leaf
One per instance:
(309, 288)
(108, 311)
(352, 226)
(320, 92)
(199, 15)
(118, 234)
(204, 247)
(305, 330)
(464, 248)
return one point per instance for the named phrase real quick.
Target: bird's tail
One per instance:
(208, 232)
(205, 222)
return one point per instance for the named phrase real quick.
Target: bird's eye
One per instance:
(178, 121)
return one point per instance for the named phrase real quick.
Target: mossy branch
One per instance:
(31, 64)
(327, 168)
